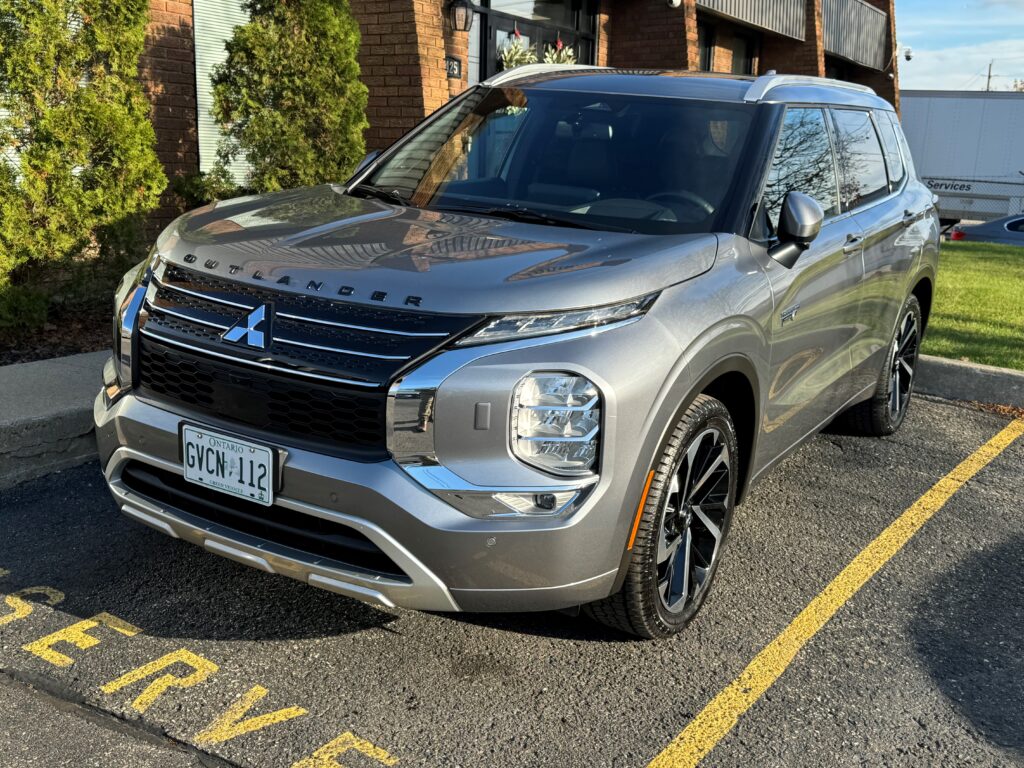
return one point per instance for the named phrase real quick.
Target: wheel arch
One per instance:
(924, 289)
(731, 379)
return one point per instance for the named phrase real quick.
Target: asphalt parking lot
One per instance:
(201, 661)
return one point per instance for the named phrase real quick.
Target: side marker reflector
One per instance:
(640, 509)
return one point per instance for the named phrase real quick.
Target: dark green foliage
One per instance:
(289, 94)
(77, 159)
(196, 189)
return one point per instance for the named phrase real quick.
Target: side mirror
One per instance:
(799, 223)
(370, 157)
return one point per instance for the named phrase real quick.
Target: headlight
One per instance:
(525, 326)
(556, 422)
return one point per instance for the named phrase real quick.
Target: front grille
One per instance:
(322, 378)
(313, 535)
(328, 418)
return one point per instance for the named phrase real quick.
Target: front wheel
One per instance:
(682, 527)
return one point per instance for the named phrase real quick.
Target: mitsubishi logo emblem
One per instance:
(253, 329)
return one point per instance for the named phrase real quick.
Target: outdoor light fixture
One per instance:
(460, 15)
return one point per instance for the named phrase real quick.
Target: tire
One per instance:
(681, 507)
(885, 412)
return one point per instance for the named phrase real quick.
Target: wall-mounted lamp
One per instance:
(460, 15)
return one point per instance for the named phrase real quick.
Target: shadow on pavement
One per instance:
(970, 634)
(64, 531)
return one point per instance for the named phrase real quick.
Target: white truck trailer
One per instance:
(968, 147)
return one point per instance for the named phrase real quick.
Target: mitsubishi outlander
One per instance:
(534, 355)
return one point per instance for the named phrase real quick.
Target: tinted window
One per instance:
(705, 45)
(861, 166)
(892, 148)
(1017, 225)
(651, 165)
(743, 55)
(803, 162)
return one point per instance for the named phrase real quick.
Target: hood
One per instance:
(321, 241)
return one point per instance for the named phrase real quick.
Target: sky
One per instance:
(953, 41)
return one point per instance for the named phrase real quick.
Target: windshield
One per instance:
(616, 162)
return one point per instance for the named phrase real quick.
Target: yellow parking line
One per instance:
(715, 721)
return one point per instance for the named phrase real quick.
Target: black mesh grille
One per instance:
(329, 418)
(319, 537)
(320, 378)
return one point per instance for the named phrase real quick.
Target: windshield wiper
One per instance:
(530, 216)
(387, 195)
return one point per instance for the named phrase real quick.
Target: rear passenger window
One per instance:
(861, 166)
(803, 162)
(892, 147)
(908, 161)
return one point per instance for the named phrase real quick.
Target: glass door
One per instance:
(540, 25)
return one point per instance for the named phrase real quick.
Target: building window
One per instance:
(213, 24)
(706, 45)
(540, 24)
(743, 54)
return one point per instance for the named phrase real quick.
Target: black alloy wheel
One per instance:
(902, 367)
(692, 520)
(885, 411)
(682, 527)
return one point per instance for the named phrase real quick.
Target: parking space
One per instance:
(209, 661)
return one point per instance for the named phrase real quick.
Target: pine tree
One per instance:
(78, 166)
(289, 96)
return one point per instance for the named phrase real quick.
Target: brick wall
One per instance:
(404, 44)
(649, 34)
(604, 28)
(788, 56)
(167, 71)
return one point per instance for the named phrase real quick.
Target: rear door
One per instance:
(872, 179)
(816, 302)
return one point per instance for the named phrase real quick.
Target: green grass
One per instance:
(978, 309)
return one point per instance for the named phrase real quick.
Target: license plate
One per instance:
(227, 464)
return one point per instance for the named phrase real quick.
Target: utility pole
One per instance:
(988, 83)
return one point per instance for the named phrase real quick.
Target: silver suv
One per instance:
(533, 355)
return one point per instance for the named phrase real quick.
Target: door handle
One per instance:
(853, 243)
(909, 217)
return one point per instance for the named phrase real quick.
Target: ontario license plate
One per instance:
(227, 464)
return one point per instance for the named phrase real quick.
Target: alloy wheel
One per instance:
(693, 519)
(904, 361)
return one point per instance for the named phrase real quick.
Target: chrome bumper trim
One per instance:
(424, 591)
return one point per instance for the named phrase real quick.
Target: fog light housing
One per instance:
(556, 422)
(518, 503)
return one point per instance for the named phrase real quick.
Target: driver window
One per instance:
(803, 162)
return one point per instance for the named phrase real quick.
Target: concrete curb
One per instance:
(957, 380)
(46, 407)
(46, 415)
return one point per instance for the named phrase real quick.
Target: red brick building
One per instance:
(413, 61)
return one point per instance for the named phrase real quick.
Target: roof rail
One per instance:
(760, 87)
(534, 69)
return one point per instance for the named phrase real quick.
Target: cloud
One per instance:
(964, 67)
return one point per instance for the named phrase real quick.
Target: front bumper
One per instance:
(448, 560)
(452, 562)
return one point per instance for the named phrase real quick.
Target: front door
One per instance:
(816, 307)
